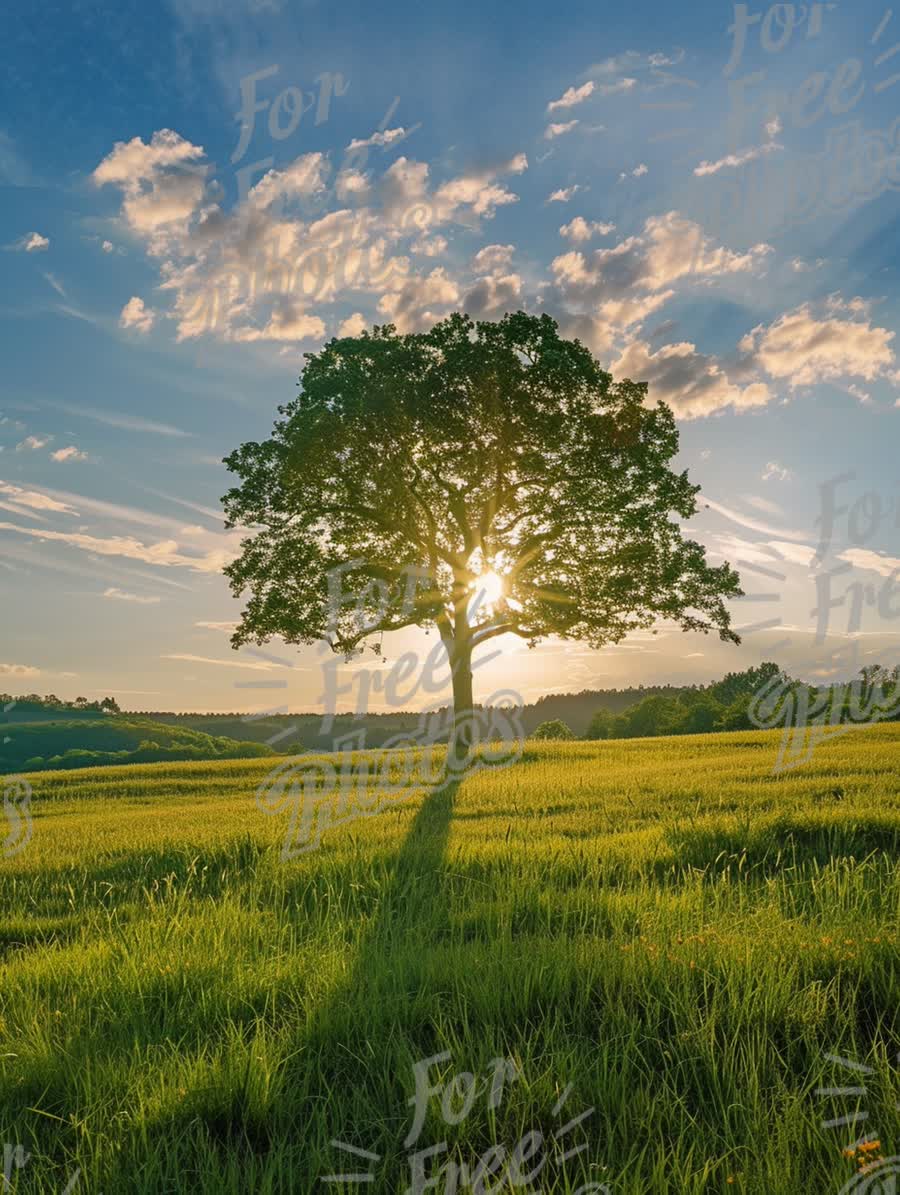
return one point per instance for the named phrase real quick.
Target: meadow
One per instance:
(661, 930)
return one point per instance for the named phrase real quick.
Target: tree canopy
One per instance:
(554, 729)
(491, 458)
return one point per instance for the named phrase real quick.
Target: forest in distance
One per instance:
(51, 734)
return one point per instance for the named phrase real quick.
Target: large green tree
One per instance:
(493, 458)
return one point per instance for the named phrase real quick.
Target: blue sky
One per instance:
(716, 217)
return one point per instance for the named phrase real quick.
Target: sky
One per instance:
(194, 194)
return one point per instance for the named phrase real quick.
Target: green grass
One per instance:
(665, 925)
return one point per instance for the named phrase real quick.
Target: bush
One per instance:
(556, 729)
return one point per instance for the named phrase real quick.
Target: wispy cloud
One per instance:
(775, 471)
(120, 595)
(733, 161)
(236, 663)
(564, 194)
(33, 443)
(559, 130)
(122, 421)
(55, 283)
(382, 139)
(572, 96)
(752, 524)
(876, 562)
(18, 670)
(35, 500)
(164, 554)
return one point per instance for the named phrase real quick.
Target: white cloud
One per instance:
(420, 301)
(774, 470)
(257, 271)
(33, 242)
(34, 500)
(492, 258)
(288, 321)
(120, 595)
(388, 137)
(885, 566)
(691, 383)
(20, 670)
(429, 246)
(799, 266)
(764, 504)
(70, 453)
(33, 443)
(493, 295)
(627, 84)
(351, 185)
(165, 553)
(353, 325)
(559, 130)
(579, 229)
(564, 194)
(227, 627)
(734, 161)
(161, 182)
(631, 62)
(622, 285)
(132, 162)
(108, 247)
(638, 172)
(800, 554)
(135, 315)
(572, 96)
(303, 179)
(802, 348)
(478, 190)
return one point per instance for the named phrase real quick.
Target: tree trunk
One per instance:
(464, 735)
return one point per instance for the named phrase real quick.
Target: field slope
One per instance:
(661, 930)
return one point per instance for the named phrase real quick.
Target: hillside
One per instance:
(81, 742)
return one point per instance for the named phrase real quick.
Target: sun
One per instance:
(489, 588)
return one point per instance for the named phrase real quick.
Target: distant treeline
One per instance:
(310, 732)
(736, 702)
(733, 703)
(763, 696)
(33, 707)
(45, 745)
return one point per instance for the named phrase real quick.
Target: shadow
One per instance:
(409, 919)
(349, 1072)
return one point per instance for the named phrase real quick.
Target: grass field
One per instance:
(661, 930)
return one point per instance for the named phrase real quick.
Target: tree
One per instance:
(492, 459)
(555, 729)
(653, 715)
(602, 725)
(701, 716)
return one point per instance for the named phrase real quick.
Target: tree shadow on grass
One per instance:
(387, 979)
(350, 1076)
